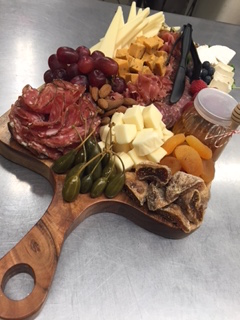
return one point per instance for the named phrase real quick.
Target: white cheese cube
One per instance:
(151, 117)
(104, 133)
(167, 134)
(125, 133)
(121, 147)
(133, 115)
(101, 145)
(157, 155)
(117, 118)
(135, 157)
(126, 159)
(162, 125)
(160, 133)
(146, 142)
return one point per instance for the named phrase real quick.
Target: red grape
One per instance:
(72, 71)
(97, 78)
(118, 84)
(54, 63)
(97, 54)
(48, 76)
(83, 51)
(85, 64)
(80, 79)
(107, 65)
(60, 74)
(67, 55)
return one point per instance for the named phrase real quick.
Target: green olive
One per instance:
(95, 163)
(90, 144)
(78, 170)
(98, 187)
(71, 188)
(80, 156)
(115, 185)
(86, 183)
(64, 163)
(109, 170)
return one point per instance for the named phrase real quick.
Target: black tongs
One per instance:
(187, 46)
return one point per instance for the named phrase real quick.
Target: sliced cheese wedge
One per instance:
(108, 42)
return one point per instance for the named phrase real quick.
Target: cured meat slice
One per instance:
(53, 119)
(153, 172)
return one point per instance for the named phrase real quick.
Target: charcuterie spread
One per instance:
(107, 116)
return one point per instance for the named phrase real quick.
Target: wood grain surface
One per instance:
(38, 252)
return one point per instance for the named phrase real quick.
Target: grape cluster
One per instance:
(80, 66)
(207, 72)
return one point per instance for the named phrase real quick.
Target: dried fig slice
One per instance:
(179, 183)
(156, 198)
(136, 189)
(153, 172)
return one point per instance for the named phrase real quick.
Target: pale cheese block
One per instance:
(167, 134)
(101, 145)
(105, 136)
(223, 86)
(225, 72)
(134, 116)
(146, 142)
(157, 155)
(223, 78)
(151, 117)
(222, 53)
(117, 118)
(206, 55)
(126, 159)
(135, 157)
(224, 66)
(121, 147)
(125, 133)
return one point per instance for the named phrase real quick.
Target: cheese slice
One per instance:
(126, 159)
(222, 53)
(132, 12)
(108, 42)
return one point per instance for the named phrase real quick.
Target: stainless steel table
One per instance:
(109, 267)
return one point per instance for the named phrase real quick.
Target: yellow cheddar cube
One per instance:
(152, 44)
(136, 50)
(122, 53)
(161, 53)
(122, 66)
(150, 62)
(141, 39)
(146, 70)
(135, 65)
(160, 66)
(131, 77)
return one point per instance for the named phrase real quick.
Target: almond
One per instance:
(105, 90)
(102, 103)
(114, 103)
(94, 93)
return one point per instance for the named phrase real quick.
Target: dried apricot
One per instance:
(190, 160)
(204, 151)
(173, 142)
(172, 162)
(208, 170)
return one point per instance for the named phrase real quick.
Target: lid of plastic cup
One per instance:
(215, 106)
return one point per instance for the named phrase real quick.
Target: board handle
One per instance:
(36, 255)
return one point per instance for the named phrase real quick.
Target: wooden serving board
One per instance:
(38, 252)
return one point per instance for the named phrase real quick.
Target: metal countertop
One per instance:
(111, 269)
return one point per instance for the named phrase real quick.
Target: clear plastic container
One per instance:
(209, 119)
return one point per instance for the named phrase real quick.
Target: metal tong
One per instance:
(187, 46)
